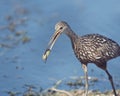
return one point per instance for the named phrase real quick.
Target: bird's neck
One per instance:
(72, 35)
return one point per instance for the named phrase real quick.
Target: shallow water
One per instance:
(21, 63)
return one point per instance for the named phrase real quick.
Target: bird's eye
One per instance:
(61, 27)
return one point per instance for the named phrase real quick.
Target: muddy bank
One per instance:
(57, 92)
(31, 90)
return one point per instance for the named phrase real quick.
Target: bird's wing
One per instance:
(96, 46)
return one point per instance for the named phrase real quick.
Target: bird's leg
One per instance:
(84, 66)
(111, 81)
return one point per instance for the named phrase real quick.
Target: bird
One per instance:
(90, 48)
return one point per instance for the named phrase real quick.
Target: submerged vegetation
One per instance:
(15, 33)
(31, 90)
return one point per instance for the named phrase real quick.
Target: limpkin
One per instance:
(91, 48)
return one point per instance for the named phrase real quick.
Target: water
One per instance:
(22, 64)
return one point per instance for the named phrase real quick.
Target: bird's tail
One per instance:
(119, 50)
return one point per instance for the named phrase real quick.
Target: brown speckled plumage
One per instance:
(95, 48)
(91, 48)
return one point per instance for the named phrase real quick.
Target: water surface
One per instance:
(21, 62)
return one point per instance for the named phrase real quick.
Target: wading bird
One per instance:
(91, 48)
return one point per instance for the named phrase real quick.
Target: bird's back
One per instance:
(93, 48)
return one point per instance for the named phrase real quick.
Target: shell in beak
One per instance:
(50, 45)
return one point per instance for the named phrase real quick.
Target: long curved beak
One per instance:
(50, 45)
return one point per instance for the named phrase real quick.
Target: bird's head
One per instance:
(60, 27)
